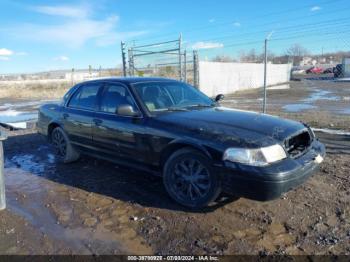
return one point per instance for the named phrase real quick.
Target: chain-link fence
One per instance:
(164, 59)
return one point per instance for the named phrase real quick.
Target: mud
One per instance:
(96, 207)
(318, 102)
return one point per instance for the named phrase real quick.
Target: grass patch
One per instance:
(34, 90)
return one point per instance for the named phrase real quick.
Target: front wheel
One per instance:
(190, 180)
(64, 149)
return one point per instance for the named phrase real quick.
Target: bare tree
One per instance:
(297, 52)
(223, 58)
(248, 57)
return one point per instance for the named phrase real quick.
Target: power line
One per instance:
(255, 18)
(283, 29)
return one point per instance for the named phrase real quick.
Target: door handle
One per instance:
(97, 121)
(65, 115)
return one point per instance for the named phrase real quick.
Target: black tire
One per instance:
(64, 148)
(190, 180)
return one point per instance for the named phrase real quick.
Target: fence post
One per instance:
(195, 69)
(131, 62)
(265, 75)
(2, 178)
(122, 44)
(185, 66)
(180, 62)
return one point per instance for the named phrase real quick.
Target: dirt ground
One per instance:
(318, 101)
(96, 207)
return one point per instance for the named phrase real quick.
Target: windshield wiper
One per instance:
(200, 105)
(172, 109)
(176, 109)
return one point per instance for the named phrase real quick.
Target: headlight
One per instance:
(255, 157)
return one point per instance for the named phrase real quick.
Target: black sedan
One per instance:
(171, 129)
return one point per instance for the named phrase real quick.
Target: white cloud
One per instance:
(5, 52)
(207, 45)
(315, 8)
(61, 58)
(21, 53)
(237, 24)
(74, 28)
(4, 58)
(63, 10)
(212, 20)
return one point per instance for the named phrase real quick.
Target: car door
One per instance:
(114, 135)
(78, 114)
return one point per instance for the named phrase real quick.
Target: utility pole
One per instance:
(265, 71)
(131, 62)
(2, 178)
(73, 76)
(122, 44)
(195, 69)
(180, 60)
(185, 66)
(265, 75)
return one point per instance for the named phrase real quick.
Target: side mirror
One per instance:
(127, 110)
(219, 97)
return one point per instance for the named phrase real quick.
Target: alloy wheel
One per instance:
(191, 180)
(59, 143)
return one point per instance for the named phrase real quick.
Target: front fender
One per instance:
(191, 143)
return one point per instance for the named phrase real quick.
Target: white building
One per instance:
(346, 66)
(80, 76)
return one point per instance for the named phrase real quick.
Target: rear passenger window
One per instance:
(85, 97)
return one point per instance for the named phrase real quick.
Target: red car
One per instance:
(314, 70)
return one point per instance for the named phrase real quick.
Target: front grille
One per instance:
(298, 144)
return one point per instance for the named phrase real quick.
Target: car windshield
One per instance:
(168, 96)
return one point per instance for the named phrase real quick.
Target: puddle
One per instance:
(345, 79)
(332, 131)
(285, 86)
(36, 212)
(314, 97)
(84, 221)
(27, 163)
(298, 107)
(321, 95)
(13, 116)
(17, 115)
(345, 111)
(28, 104)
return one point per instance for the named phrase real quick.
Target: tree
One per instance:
(297, 52)
(252, 57)
(249, 57)
(223, 59)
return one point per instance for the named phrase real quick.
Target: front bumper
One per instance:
(270, 182)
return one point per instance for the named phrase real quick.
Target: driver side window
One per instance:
(115, 96)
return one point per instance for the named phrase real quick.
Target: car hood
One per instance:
(230, 126)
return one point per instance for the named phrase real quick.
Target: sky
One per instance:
(49, 35)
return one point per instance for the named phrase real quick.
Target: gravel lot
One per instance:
(93, 206)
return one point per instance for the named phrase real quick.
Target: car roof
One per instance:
(130, 80)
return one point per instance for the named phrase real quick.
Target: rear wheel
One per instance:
(64, 149)
(190, 180)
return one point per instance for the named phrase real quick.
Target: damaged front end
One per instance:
(304, 154)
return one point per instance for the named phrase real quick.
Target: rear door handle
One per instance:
(65, 115)
(97, 121)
